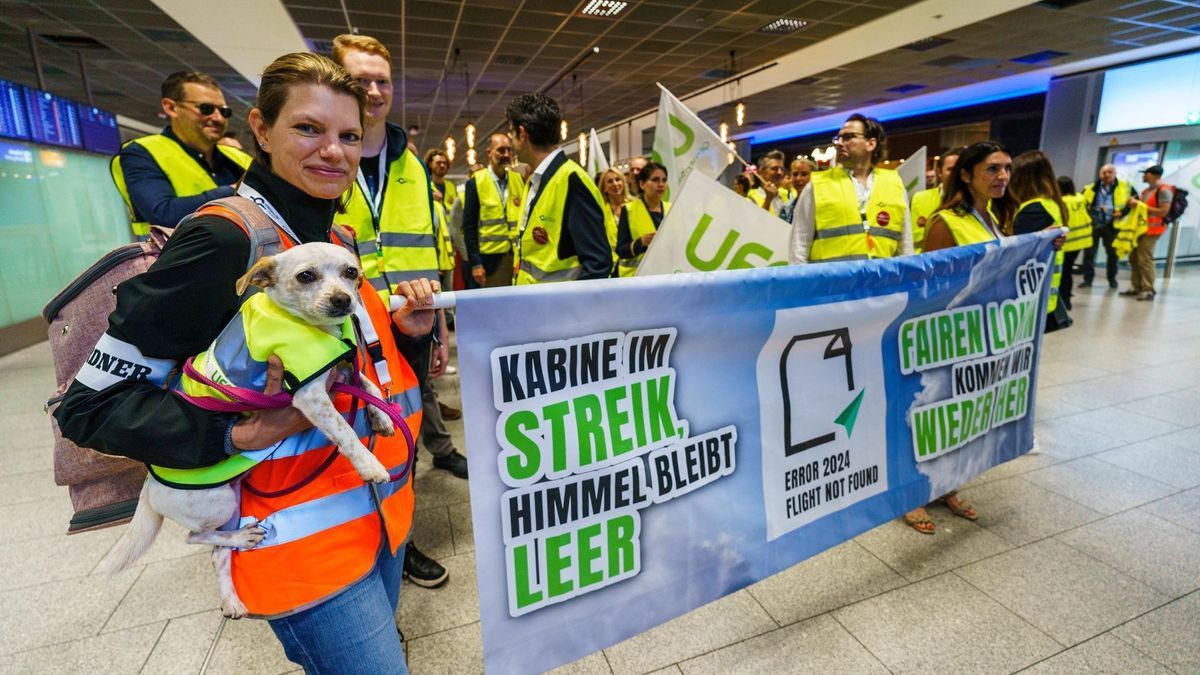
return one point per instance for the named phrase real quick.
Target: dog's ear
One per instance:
(261, 274)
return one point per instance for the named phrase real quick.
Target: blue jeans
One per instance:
(355, 632)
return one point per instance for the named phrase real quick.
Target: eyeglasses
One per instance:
(847, 136)
(207, 109)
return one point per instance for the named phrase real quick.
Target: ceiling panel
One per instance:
(509, 47)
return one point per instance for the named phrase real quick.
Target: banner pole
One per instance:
(443, 300)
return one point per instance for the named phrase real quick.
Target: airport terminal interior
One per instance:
(1071, 546)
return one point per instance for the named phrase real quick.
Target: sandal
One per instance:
(959, 507)
(918, 519)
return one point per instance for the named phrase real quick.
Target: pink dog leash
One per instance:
(248, 400)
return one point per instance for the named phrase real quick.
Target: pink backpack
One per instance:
(104, 488)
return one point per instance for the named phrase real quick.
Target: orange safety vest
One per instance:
(1154, 224)
(326, 535)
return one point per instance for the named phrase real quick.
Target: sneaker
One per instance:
(1146, 295)
(453, 462)
(1112, 283)
(1129, 292)
(449, 413)
(1086, 284)
(423, 570)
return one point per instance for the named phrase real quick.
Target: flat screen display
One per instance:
(1163, 93)
(54, 120)
(99, 129)
(14, 120)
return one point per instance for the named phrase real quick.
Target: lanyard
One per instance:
(986, 221)
(267, 208)
(373, 200)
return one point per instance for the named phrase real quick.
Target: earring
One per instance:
(263, 147)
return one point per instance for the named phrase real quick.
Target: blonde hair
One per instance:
(618, 174)
(363, 43)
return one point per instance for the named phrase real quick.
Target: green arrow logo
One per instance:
(1193, 117)
(850, 414)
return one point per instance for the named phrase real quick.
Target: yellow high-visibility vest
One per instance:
(924, 204)
(1079, 220)
(539, 263)
(1057, 216)
(841, 233)
(400, 244)
(498, 222)
(187, 177)
(640, 224)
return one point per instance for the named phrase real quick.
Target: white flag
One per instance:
(597, 161)
(912, 173)
(709, 227)
(683, 142)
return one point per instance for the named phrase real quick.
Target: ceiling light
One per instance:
(470, 135)
(740, 111)
(724, 132)
(783, 26)
(604, 7)
(583, 148)
(470, 157)
(450, 148)
(562, 130)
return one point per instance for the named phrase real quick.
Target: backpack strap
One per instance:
(258, 226)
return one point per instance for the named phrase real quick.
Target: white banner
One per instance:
(683, 142)
(912, 172)
(597, 161)
(709, 227)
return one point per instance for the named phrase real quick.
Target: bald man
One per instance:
(492, 203)
(1108, 199)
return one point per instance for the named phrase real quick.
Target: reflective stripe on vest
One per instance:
(1130, 228)
(965, 228)
(539, 263)
(840, 230)
(498, 222)
(406, 248)
(1080, 223)
(924, 204)
(298, 573)
(640, 224)
(187, 177)
(445, 249)
(1056, 215)
(1154, 224)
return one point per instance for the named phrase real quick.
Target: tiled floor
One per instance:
(1086, 557)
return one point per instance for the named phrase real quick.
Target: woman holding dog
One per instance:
(328, 573)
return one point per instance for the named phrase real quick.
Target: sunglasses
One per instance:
(207, 109)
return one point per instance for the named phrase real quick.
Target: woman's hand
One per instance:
(415, 319)
(647, 238)
(1059, 241)
(264, 428)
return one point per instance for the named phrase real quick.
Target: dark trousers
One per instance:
(434, 435)
(1067, 283)
(1105, 235)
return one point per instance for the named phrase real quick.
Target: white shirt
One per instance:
(804, 219)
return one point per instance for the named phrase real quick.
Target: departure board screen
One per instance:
(99, 129)
(14, 120)
(54, 120)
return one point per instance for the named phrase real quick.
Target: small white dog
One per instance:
(318, 283)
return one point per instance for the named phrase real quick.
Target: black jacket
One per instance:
(172, 311)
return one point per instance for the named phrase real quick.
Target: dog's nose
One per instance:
(340, 303)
